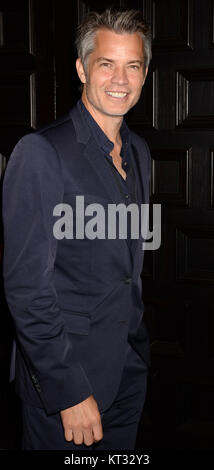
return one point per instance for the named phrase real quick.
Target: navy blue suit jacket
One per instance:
(74, 303)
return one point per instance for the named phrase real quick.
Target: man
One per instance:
(82, 348)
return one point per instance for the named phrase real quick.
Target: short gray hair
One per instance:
(127, 21)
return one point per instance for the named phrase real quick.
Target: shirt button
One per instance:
(126, 196)
(124, 163)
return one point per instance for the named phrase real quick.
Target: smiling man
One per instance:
(81, 351)
(114, 76)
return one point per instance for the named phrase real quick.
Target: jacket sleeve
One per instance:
(32, 186)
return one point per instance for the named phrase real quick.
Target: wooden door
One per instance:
(27, 101)
(175, 114)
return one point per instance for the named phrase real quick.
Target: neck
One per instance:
(109, 124)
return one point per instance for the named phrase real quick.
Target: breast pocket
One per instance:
(77, 323)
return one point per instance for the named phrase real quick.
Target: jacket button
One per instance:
(128, 280)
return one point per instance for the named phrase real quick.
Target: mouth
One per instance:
(117, 94)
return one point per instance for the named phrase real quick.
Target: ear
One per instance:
(80, 70)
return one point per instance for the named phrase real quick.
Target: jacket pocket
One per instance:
(75, 322)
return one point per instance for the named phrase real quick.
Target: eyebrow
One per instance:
(134, 61)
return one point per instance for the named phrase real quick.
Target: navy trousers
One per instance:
(120, 421)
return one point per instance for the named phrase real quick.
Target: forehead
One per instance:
(110, 43)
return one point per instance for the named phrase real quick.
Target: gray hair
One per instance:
(127, 21)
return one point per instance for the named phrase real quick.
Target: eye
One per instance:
(105, 64)
(135, 67)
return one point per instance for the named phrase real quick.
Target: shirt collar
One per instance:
(101, 138)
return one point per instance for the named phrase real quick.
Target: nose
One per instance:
(120, 76)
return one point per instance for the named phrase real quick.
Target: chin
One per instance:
(117, 112)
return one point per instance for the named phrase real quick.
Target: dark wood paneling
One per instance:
(14, 25)
(43, 79)
(26, 101)
(172, 24)
(144, 114)
(212, 178)
(212, 29)
(27, 73)
(195, 98)
(175, 115)
(195, 254)
(170, 176)
(1, 29)
(148, 267)
(15, 89)
(183, 273)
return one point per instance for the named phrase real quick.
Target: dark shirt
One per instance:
(127, 187)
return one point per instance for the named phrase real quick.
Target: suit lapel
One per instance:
(103, 171)
(94, 157)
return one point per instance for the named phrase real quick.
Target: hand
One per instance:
(82, 422)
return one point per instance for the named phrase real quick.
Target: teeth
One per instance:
(116, 94)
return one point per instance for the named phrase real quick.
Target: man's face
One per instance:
(115, 73)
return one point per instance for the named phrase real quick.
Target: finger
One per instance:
(97, 432)
(78, 437)
(68, 435)
(88, 437)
